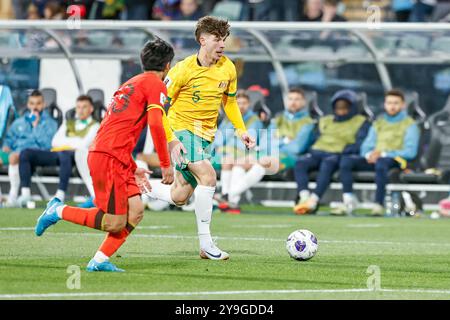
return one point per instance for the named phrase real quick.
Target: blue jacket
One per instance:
(303, 139)
(410, 144)
(351, 97)
(21, 135)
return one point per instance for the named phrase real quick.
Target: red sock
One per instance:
(114, 241)
(91, 217)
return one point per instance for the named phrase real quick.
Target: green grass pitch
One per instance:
(162, 262)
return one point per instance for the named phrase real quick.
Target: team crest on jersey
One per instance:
(223, 84)
(162, 99)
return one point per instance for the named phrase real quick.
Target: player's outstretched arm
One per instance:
(233, 113)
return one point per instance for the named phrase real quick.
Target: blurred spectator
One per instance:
(288, 136)
(6, 10)
(21, 8)
(35, 129)
(402, 9)
(312, 11)
(138, 9)
(106, 9)
(393, 140)
(330, 12)
(339, 134)
(70, 144)
(190, 10)
(33, 12)
(422, 10)
(53, 10)
(166, 9)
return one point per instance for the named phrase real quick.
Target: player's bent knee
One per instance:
(180, 200)
(116, 225)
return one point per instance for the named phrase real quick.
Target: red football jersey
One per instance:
(127, 116)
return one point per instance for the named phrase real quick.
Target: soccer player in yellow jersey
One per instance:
(196, 88)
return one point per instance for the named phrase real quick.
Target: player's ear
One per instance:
(202, 40)
(167, 67)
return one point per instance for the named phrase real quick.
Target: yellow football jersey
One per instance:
(195, 94)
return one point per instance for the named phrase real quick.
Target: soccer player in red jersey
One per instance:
(117, 181)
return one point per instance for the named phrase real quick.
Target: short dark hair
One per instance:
(212, 25)
(241, 93)
(36, 93)
(156, 55)
(396, 93)
(333, 3)
(85, 97)
(300, 91)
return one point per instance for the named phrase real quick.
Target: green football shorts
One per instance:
(197, 149)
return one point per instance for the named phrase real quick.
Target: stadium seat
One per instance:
(228, 9)
(364, 107)
(435, 160)
(51, 103)
(414, 108)
(313, 106)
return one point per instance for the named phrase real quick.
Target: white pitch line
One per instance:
(17, 229)
(368, 225)
(173, 236)
(154, 227)
(206, 293)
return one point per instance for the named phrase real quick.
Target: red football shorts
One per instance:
(113, 183)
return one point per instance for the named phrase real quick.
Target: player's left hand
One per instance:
(176, 151)
(142, 181)
(248, 140)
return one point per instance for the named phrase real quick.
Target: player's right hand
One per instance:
(167, 175)
(142, 180)
(176, 152)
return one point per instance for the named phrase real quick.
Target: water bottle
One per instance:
(31, 117)
(395, 204)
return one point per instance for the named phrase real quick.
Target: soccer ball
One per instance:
(302, 245)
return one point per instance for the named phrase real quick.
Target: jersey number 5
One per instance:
(195, 96)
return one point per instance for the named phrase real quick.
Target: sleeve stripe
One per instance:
(155, 106)
(230, 94)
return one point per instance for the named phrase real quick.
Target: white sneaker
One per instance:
(377, 210)
(12, 204)
(351, 205)
(22, 201)
(213, 253)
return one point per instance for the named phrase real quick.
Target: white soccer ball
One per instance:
(302, 245)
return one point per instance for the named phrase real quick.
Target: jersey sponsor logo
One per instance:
(121, 99)
(223, 84)
(167, 81)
